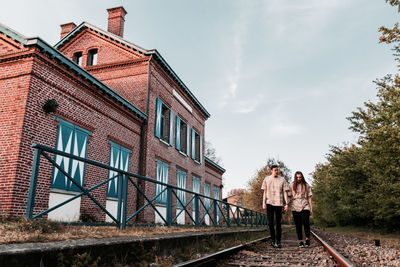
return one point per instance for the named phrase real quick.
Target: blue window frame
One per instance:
(71, 139)
(182, 136)
(162, 176)
(164, 122)
(207, 193)
(181, 183)
(216, 192)
(119, 158)
(196, 141)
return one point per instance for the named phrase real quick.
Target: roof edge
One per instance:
(211, 162)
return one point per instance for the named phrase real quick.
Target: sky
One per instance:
(279, 77)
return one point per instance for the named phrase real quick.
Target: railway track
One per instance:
(260, 253)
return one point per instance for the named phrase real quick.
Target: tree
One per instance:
(379, 127)
(210, 152)
(253, 198)
(360, 184)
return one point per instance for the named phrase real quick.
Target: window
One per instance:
(196, 184)
(207, 193)
(162, 176)
(73, 140)
(216, 192)
(77, 58)
(182, 136)
(92, 57)
(164, 122)
(196, 147)
(181, 183)
(119, 158)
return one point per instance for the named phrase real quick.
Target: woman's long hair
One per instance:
(296, 182)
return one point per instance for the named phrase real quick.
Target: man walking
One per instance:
(275, 196)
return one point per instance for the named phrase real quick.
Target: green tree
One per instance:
(379, 127)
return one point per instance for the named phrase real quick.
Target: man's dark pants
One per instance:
(275, 211)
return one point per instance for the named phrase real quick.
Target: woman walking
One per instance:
(301, 207)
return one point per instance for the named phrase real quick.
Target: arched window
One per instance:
(77, 58)
(92, 57)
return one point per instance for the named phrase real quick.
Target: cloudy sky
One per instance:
(279, 77)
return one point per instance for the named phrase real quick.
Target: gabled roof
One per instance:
(55, 54)
(153, 52)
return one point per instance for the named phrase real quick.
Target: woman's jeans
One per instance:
(301, 219)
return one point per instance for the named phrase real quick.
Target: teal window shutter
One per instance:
(207, 193)
(162, 176)
(178, 133)
(73, 140)
(193, 154)
(187, 139)
(171, 127)
(157, 131)
(181, 183)
(196, 184)
(119, 158)
(201, 150)
(216, 192)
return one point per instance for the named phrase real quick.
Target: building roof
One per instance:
(63, 60)
(212, 163)
(153, 52)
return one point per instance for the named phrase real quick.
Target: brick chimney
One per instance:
(116, 20)
(67, 28)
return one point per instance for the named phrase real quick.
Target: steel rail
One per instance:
(217, 255)
(343, 261)
(211, 258)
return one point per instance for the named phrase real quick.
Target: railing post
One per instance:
(228, 217)
(119, 199)
(33, 183)
(215, 212)
(169, 206)
(237, 216)
(251, 218)
(196, 210)
(124, 199)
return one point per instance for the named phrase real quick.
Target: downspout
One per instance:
(143, 132)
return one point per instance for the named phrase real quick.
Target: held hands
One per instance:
(286, 208)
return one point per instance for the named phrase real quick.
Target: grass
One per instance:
(390, 239)
(20, 230)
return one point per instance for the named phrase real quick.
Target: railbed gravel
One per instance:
(360, 251)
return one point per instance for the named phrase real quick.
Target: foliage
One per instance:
(210, 152)
(360, 184)
(253, 197)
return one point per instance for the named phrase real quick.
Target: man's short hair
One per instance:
(273, 167)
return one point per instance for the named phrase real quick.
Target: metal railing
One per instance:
(197, 209)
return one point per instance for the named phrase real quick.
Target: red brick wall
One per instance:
(14, 86)
(161, 85)
(80, 104)
(119, 67)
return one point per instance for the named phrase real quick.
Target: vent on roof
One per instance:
(116, 20)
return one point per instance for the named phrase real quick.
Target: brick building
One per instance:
(110, 101)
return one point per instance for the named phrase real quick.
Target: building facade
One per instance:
(100, 97)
